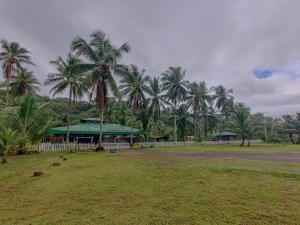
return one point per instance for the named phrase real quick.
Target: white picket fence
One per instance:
(163, 144)
(48, 147)
(237, 142)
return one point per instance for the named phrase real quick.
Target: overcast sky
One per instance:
(252, 46)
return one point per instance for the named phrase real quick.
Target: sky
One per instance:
(251, 46)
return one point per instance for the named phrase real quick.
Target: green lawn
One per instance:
(153, 186)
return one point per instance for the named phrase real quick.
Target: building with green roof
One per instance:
(88, 131)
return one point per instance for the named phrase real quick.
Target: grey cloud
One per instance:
(221, 42)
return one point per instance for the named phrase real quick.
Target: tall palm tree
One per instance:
(102, 60)
(185, 121)
(176, 90)
(224, 103)
(242, 120)
(156, 98)
(24, 82)
(134, 86)
(224, 99)
(194, 100)
(205, 105)
(67, 77)
(13, 56)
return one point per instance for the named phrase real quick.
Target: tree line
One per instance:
(163, 105)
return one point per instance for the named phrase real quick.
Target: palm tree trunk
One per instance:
(195, 125)
(7, 91)
(132, 121)
(101, 129)
(175, 126)
(68, 119)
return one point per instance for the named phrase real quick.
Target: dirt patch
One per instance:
(279, 156)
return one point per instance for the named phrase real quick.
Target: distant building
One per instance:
(224, 136)
(88, 132)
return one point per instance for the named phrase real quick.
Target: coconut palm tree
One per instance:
(13, 56)
(67, 77)
(134, 85)
(9, 140)
(205, 99)
(242, 120)
(194, 100)
(156, 98)
(184, 121)
(24, 82)
(176, 90)
(102, 60)
(224, 103)
(223, 97)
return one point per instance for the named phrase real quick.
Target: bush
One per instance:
(3, 161)
(37, 173)
(56, 164)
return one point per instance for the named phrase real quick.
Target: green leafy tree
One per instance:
(242, 120)
(9, 140)
(67, 77)
(205, 107)
(134, 85)
(194, 101)
(224, 103)
(102, 60)
(13, 56)
(176, 90)
(24, 82)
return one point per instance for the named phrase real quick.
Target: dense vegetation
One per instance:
(162, 105)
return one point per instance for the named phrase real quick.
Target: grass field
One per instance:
(173, 185)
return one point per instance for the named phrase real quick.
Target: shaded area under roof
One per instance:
(94, 128)
(224, 134)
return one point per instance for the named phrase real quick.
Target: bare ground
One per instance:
(278, 156)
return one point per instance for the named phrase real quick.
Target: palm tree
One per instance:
(67, 77)
(156, 98)
(102, 59)
(176, 89)
(12, 58)
(205, 106)
(242, 120)
(185, 122)
(224, 103)
(24, 82)
(134, 86)
(223, 97)
(9, 140)
(194, 100)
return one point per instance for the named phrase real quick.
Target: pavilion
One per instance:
(88, 132)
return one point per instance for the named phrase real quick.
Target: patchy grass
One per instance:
(147, 187)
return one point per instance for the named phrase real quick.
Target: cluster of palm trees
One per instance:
(92, 69)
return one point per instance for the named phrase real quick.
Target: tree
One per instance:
(9, 140)
(13, 57)
(194, 100)
(288, 125)
(224, 103)
(176, 90)
(205, 106)
(102, 59)
(156, 98)
(242, 120)
(67, 77)
(24, 82)
(134, 85)
(184, 121)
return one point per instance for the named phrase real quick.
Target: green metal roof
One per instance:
(94, 128)
(224, 134)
